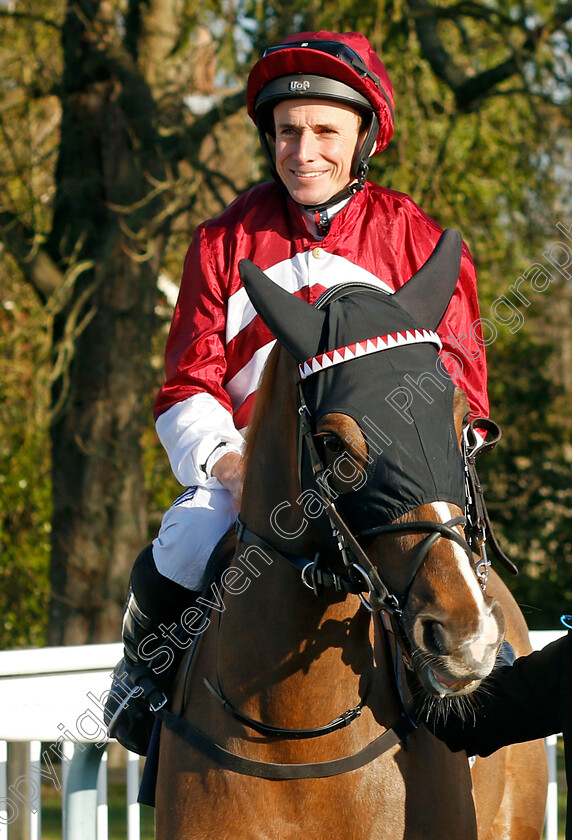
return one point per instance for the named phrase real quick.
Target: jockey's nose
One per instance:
(307, 149)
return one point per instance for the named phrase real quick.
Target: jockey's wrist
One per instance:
(222, 449)
(229, 470)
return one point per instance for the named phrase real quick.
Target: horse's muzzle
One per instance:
(453, 657)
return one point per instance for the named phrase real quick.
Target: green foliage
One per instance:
(29, 116)
(528, 478)
(489, 169)
(25, 498)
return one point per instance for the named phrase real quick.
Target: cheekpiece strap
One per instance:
(313, 575)
(478, 510)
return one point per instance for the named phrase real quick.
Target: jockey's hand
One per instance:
(230, 472)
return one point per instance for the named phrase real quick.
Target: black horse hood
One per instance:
(401, 397)
(403, 403)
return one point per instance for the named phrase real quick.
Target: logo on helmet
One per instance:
(299, 87)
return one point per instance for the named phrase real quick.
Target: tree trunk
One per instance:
(99, 516)
(106, 173)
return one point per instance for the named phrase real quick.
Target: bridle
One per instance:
(357, 563)
(360, 568)
(361, 577)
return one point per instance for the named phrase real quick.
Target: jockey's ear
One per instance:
(427, 294)
(297, 325)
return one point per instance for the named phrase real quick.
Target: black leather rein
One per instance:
(275, 771)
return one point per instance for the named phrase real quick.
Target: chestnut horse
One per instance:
(353, 599)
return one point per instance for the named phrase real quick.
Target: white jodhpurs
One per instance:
(190, 529)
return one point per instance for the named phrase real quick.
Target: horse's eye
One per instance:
(332, 444)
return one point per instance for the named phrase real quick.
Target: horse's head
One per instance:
(383, 442)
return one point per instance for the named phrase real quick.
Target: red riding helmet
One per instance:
(341, 67)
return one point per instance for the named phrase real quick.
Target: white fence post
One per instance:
(80, 798)
(67, 750)
(133, 810)
(5, 806)
(551, 827)
(101, 805)
(35, 809)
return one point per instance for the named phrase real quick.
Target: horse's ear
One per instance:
(427, 294)
(296, 324)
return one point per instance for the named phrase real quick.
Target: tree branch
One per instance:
(432, 49)
(469, 91)
(37, 266)
(473, 90)
(33, 18)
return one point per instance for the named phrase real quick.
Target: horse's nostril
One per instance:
(434, 637)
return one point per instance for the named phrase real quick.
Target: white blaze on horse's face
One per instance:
(452, 657)
(452, 629)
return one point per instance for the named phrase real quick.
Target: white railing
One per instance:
(53, 696)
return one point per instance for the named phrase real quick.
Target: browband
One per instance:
(365, 347)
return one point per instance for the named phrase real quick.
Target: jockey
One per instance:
(323, 105)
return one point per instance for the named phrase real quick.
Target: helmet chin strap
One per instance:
(325, 212)
(357, 184)
(352, 188)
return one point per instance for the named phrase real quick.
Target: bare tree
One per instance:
(127, 146)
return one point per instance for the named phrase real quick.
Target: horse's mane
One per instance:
(262, 402)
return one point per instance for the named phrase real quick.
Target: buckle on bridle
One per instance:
(311, 571)
(383, 600)
(482, 567)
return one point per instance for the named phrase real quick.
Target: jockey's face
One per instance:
(315, 144)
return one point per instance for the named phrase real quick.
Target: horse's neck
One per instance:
(276, 632)
(270, 505)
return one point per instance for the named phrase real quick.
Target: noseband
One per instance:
(363, 576)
